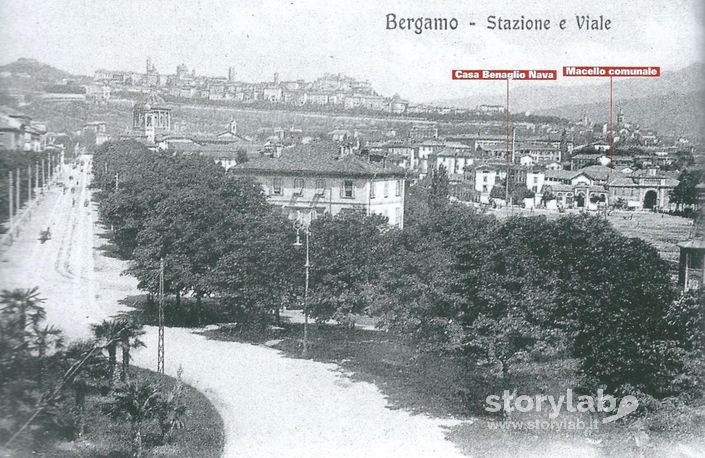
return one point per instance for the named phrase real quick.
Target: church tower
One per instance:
(620, 118)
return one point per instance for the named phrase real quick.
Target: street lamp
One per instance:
(299, 224)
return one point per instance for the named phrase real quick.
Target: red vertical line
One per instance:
(611, 127)
(507, 122)
(506, 179)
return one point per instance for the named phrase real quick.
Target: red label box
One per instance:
(497, 75)
(630, 72)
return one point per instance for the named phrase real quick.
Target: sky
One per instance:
(306, 38)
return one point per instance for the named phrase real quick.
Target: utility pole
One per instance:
(11, 206)
(117, 181)
(506, 187)
(307, 266)
(160, 345)
(29, 183)
(17, 184)
(36, 176)
(44, 178)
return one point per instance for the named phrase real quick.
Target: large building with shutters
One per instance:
(325, 177)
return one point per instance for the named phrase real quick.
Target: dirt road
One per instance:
(62, 267)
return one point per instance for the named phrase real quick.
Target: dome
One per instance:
(151, 101)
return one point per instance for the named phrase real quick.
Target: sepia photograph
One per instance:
(371, 229)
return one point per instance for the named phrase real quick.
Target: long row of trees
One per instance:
(21, 164)
(454, 281)
(216, 233)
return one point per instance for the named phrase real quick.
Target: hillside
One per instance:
(672, 104)
(35, 69)
(670, 114)
(540, 97)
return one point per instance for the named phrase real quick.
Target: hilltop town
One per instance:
(552, 163)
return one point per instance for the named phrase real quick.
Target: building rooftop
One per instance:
(322, 157)
(598, 172)
(631, 181)
(455, 153)
(587, 156)
(557, 187)
(561, 174)
(152, 101)
(6, 124)
(693, 243)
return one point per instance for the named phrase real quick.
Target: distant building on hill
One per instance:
(423, 131)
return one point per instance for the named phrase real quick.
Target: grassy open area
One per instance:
(661, 230)
(202, 435)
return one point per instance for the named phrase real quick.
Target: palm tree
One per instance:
(129, 338)
(44, 340)
(171, 412)
(20, 306)
(85, 382)
(107, 333)
(136, 403)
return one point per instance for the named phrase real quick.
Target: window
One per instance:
(347, 190)
(536, 179)
(299, 186)
(484, 188)
(397, 216)
(386, 189)
(484, 178)
(373, 189)
(398, 192)
(320, 187)
(277, 186)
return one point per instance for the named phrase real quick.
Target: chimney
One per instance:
(232, 127)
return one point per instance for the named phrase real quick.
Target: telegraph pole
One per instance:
(11, 201)
(17, 184)
(44, 178)
(29, 183)
(307, 266)
(117, 181)
(160, 345)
